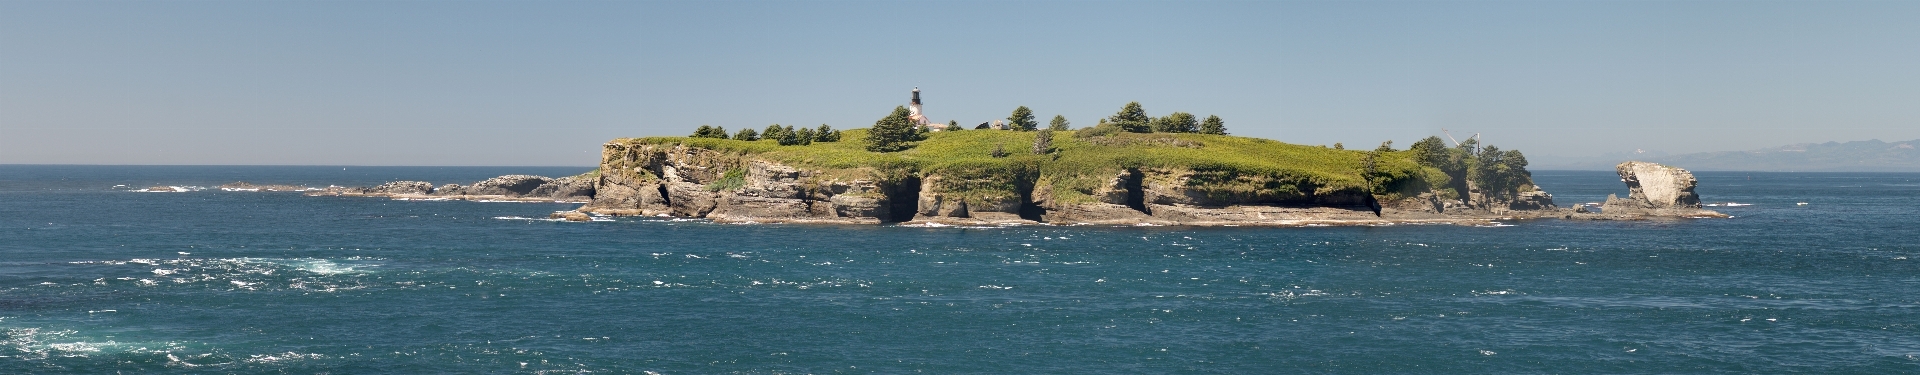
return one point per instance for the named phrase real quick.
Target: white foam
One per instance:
(278, 357)
(170, 189)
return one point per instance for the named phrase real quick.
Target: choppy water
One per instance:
(98, 279)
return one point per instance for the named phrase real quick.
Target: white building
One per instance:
(920, 118)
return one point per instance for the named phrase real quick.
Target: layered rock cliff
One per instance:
(680, 180)
(677, 180)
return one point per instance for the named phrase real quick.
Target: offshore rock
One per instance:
(514, 188)
(564, 187)
(575, 216)
(401, 187)
(244, 186)
(509, 185)
(1659, 186)
(1655, 191)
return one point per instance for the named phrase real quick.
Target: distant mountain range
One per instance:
(1857, 156)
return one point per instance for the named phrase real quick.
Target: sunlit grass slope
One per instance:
(1221, 164)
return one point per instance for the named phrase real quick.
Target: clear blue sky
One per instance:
(545, 83)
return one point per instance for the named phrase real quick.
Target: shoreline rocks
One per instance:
(509, 188)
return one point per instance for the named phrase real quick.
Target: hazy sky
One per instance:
(545, 83)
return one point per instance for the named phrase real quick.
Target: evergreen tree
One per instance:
(891, 133)
(772, 132)
(1022, 120)
(787, 139)
(1132, 118)
(791, 137)
(826, 134)
(1043, 142)
(1177, 122)
(747, 135)
(702, 131)
(1431, 152)
(1059, 123)
(1213, 125)
(954, 126)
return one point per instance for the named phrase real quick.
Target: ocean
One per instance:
(95, 278)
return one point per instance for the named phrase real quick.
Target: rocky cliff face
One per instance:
(682, 181)
(656, 180)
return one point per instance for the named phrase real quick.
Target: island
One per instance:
(1127, 170)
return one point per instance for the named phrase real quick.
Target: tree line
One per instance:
(785, 135)
(1498, 174)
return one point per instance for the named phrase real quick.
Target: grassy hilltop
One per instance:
(1078, 163)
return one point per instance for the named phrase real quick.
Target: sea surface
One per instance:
(97, 278)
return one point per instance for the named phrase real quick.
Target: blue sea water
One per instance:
(95, 278)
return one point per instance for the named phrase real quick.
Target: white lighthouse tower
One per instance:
(918, 117)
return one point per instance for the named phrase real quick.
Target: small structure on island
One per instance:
(920, 118)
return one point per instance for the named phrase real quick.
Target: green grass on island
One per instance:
(1223, 166)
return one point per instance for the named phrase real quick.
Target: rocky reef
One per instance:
(519, 188)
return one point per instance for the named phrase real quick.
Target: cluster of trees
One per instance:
(710, 132)
(896, 132)
(785, 135)
(1133, 118)
(1022, 119)
(1497, 174)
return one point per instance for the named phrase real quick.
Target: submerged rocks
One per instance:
(244, 186)
(575, 216)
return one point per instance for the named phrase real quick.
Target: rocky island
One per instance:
(1121, 178)
(1107, 175)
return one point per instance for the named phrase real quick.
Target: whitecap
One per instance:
(288, 356)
